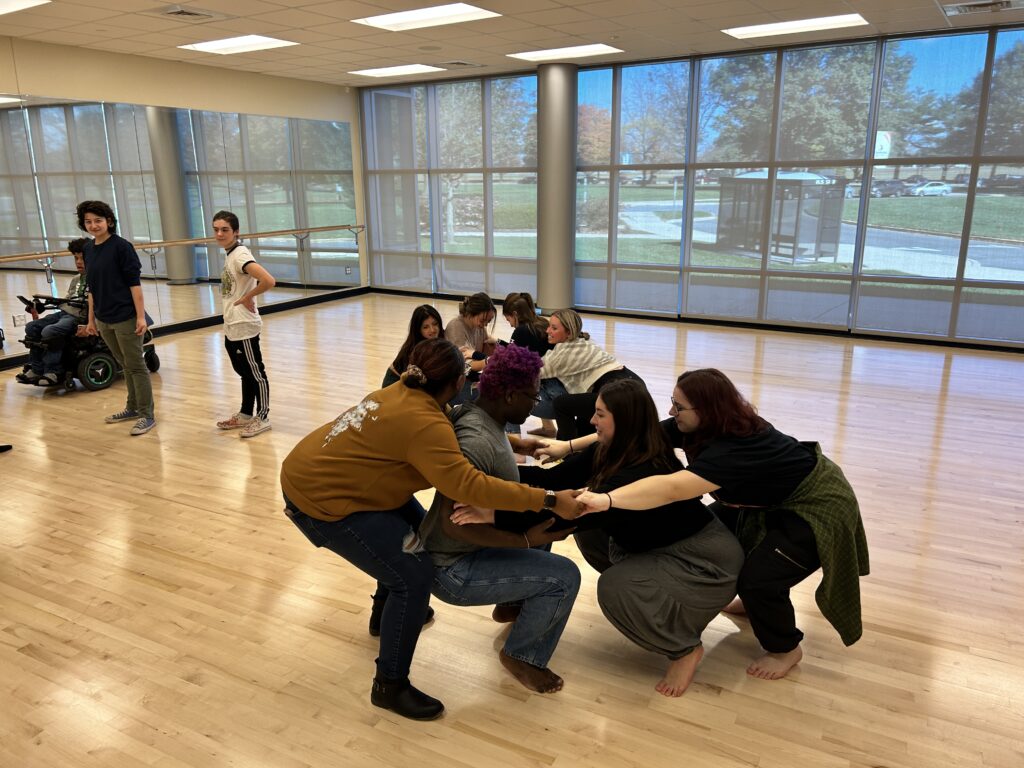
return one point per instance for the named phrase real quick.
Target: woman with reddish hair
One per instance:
(790, 506)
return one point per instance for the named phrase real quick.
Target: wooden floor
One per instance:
(157, 609)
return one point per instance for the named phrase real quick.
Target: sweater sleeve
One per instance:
(435, 453)
(131, 267)
(457, 333)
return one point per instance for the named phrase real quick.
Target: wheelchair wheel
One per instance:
(97, 371)
(152, 360)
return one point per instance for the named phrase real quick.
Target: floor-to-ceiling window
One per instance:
(873, 186)
(275, 174)
(452, 180)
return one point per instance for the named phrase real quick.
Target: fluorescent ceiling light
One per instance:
(10, 100)
(242, 44)
(573, 52)
(404, 69)
(802, 25)
(455, 13)
(12, 6)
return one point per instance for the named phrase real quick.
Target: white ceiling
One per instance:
(330, 45)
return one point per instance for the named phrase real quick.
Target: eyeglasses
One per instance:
(535, 397)
(678, 407)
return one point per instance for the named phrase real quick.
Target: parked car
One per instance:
(917, 178)
(962, 178)
(890, 188)
(930, 189)
(854, 187)
(1006, 183)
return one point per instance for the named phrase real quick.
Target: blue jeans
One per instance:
(126, 348)
(53, 329)
(545, 583)
(549, 390)
(372, 542)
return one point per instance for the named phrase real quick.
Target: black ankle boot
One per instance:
(378, 610)
(403, 699)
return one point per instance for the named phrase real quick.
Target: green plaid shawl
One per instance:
(826, 502)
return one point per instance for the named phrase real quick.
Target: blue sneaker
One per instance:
(125, 415)
(143, 425)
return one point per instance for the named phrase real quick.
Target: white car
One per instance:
(930, 189)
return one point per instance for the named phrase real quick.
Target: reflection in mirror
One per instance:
(166, 172)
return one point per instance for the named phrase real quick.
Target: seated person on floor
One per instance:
(54, 329)
(666, 572)
(480, 565)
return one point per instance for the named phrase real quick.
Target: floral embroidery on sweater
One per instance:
(352, 418)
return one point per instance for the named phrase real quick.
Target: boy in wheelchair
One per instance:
(59, 349)
(45, 336)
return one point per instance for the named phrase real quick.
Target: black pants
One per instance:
(787, 555)
(247, 360)
(573, 412)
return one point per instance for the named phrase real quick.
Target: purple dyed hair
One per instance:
(509, 369)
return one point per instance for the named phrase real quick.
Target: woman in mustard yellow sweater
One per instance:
(349, 486)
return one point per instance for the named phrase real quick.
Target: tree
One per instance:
(459, 142)
(514, 122)
(1004, 128)
(825, 98)
(654, 112)
(736, 108)
(594, 135)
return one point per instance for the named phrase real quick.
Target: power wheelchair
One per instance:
(86, 358)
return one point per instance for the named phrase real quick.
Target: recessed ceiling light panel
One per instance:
(10, 100)
(794, 27)
(454, 13)
(13, 6)
(404, 69)
(573, 52)
(243, 44)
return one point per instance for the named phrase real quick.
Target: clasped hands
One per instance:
(569, 504)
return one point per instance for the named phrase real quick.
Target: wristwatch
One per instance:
(550, 500)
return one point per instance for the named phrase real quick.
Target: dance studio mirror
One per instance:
(166, 171)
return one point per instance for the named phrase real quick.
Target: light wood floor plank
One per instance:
(157, 609)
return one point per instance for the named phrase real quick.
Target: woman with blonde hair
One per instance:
(582, 367)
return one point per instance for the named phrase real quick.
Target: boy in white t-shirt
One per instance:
(240, 283)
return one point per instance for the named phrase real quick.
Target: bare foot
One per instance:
(774, 666)
(504, 614)
(735, 608)
(534, 678)
(679, 674)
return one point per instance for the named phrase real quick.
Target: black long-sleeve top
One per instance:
(633, 530)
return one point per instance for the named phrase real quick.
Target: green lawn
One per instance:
(1001, 218)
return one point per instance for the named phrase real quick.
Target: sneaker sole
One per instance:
(136, 433)
(260, 432)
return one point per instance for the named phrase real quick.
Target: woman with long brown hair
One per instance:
(425, 323)
(667, 570)
(790, 506)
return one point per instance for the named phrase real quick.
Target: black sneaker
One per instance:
(48, 380)
(403, 699)
(28, 377)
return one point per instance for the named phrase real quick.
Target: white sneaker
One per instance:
(237, 421)
(255, 426)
